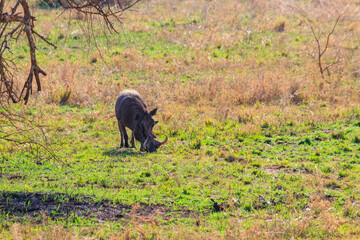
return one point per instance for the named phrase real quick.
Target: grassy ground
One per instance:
(252, 125)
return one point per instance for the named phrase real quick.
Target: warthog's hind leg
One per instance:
(123, 135)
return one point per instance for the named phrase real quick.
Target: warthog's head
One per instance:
(144, 132)
(151, 145)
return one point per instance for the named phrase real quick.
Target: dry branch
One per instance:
(321, 51)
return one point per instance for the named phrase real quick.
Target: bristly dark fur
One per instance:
(131, 112)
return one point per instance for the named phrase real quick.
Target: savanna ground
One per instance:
(252, 124)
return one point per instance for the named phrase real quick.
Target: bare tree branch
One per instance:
(26, 25)
(321, 51)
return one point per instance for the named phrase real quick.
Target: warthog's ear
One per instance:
(153, 112)
(156, 122)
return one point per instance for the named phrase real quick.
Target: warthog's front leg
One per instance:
(132, 141)
(142, 147)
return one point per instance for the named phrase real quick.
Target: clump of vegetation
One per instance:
(338, 135)
(306, 141)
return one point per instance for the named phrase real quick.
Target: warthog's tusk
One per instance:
(145, 144)
(164, 140)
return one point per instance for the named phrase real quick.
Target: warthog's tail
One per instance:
(110, 117)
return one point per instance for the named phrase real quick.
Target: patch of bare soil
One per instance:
(35, 205)
(274, 169)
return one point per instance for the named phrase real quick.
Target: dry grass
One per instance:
(247, 85)
(229, 82)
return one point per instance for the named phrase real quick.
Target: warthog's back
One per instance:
(128, 105)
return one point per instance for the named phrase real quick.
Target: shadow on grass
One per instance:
(58, 205)
(38, 205)
(122, 152)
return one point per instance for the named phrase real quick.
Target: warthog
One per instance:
(131, 112)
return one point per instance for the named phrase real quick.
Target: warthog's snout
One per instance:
(151, 145)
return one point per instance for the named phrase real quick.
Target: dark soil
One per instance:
(56, 206)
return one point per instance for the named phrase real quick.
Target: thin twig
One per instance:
(44, 39)
(320, 51)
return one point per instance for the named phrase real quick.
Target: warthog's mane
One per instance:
(129, 92)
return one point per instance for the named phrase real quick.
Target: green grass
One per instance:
(193, 167)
